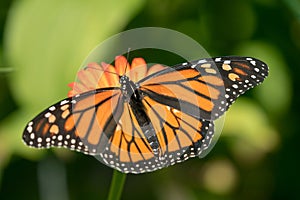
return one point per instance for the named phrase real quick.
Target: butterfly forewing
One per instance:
(204, 88)
(79, 123)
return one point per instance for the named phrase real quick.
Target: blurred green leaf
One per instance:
(294, 5)
(234, 23)
(249, 124)
(46, 41)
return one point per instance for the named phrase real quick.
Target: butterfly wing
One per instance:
(128, 149)
(204, 88)
(180, 136)
(83, 123)
(239, 75)
(183, 103)
(180, 103)
(97, 123)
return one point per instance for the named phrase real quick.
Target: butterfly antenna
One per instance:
(101, 70)
(127, 57)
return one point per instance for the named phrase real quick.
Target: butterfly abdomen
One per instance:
(134, 98)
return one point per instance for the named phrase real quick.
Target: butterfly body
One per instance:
(132, 96)
(145, 125)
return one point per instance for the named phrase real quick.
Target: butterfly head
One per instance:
(127, 87)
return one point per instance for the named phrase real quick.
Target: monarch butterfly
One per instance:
(164, 118)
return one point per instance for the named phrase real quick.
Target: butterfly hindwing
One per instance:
(180, 137)
(178, 133)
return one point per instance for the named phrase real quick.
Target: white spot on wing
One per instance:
(64, 102)
(29, 129)
(60, 137)
(202, 61)
(52, 108)
(253, 62)
(253, 76)
(39, 140)
(32, 136)
(48, 114)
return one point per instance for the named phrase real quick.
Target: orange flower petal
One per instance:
(71, 85)
(95, 70)
(155, 68)
(72, 92)
(86, 78)
(108, 78)
(94, 66)
(105, 75)
(138, 69)
(121, 64)
(80, 87)
(77, 88)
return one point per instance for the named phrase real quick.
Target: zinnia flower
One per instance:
(103, 75)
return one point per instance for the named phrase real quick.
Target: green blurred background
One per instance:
(43, 42)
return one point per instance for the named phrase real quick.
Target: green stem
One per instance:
(116, 186)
